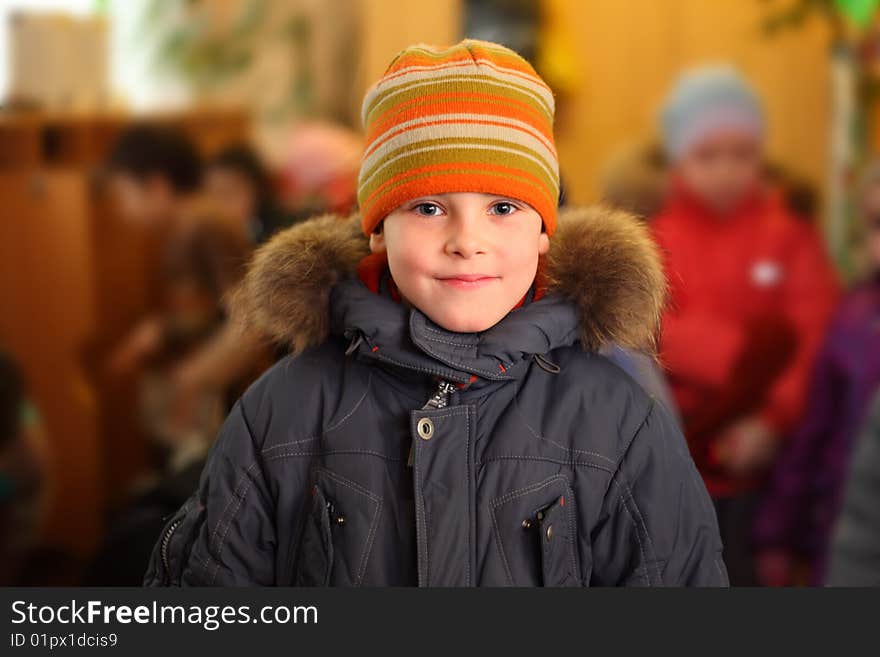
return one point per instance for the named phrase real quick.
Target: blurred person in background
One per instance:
(803, 501)
(237, 181)
(855, 547)
(156, 176)
(197, 268)
(190, 362)
(24, 474)
(751, 291)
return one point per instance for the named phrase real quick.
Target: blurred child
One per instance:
(155, 173)
(200, 265)
(238, 182)
(156, 177)
(185, 356)
(447, 421)
(751, 293)
(805, 495)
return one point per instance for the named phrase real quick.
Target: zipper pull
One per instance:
(440, 399)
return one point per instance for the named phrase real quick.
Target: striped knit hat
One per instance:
(472, 118)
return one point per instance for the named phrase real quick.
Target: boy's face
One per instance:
(722, 169)
(463, 259)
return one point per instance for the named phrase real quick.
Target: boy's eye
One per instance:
(503, 208)
(428, 209)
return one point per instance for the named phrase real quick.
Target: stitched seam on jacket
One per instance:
(649, 540)
(644, 568)
(241, 496)
(493, 376)
(626, 497)
(357, 405)
(570, 462)
(418, 368)
(553, 442)
(310, 439)
(232, 515)
(334, 452)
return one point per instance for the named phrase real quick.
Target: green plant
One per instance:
(189, 41)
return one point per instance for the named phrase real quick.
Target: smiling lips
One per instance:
(467, 281)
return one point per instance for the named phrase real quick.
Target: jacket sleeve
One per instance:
(810, 296)
(224, 534)
(657, 526)
(855, 548)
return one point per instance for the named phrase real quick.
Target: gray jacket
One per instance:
(390, 451)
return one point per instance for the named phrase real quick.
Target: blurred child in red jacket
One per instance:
(751, 291)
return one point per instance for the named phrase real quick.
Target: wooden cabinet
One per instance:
(47, 312)
(74, 278)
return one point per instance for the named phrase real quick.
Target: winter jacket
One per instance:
(804, 498)
(393, 452)
(751, 294)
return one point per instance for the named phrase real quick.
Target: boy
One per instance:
(751, 292)
(445, 422)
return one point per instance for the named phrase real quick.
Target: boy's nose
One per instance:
(465, 239)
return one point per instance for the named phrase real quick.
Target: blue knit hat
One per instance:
(705, 101)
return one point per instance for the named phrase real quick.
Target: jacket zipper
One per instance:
(440, 399)
(166, 539)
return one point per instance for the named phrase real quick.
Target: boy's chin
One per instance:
(459, 322)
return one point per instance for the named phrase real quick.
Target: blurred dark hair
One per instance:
(11, 398)
(243, 160)
(146, 150)
(634, 179)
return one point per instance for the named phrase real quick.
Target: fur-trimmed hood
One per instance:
(603, 271)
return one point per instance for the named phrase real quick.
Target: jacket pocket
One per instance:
(535, 528)
(338, 532)
(177, 538)
(316, 545)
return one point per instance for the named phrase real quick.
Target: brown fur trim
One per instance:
(603, 260)
(607, 264)
(286, 291)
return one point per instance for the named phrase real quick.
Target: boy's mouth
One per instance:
(467, 281)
